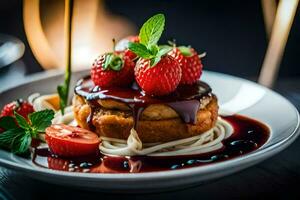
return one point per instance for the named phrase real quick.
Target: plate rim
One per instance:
(169, 174)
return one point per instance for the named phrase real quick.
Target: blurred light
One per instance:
(93, 30)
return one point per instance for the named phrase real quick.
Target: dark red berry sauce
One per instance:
(249, 135)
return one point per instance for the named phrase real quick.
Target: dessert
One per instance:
(189, 111)
(143, 108)
(166, 102)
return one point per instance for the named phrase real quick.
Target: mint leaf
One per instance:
(161, 52)
(41, 120)
(22, 145)
(9, 138)
(140, 50)
(8, 122)
(17, 139)
(113, 62)
(22, 122)
(152, 30)
(154, 49)
(186, 51)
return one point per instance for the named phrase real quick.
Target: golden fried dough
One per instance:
(158, 122)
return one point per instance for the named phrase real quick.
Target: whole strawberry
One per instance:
(113, 70)
(20, 106)
(122, 46)
(155, 72)
(190, 63)
(159, 79)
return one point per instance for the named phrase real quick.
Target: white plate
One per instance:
(235, 96)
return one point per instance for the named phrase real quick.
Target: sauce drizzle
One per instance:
(248, 136)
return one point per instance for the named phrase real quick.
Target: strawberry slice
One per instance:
(70, 141)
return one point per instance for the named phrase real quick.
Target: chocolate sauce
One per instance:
(185, 100)
(248, 136)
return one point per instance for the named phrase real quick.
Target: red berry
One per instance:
(161, 79)
(122, 46)
(21, 107)
(71, 141)
(191, 65)
(117, 72)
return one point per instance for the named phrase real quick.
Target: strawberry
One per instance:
(155, 72)
(160, 79)
(20, 106)
(71, 141)
(122, 46)
(189, 62)
(112, 70)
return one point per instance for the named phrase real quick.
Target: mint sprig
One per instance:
(18, 132)
(149, 35)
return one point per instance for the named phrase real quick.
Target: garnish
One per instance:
(186, 51)
(17, 136)
(71, 141)
(63, 90)
(113, 62)
(113, 70)
(20, 106)
(150, 34)
(190, 63)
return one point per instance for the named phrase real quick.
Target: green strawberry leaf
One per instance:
(22, 122)
(113, 62)
(116, 63)
(154, 61)
(8, 122)
(164, 50)
(140, 50)
(186, 51)
(41, 120)
(152, 30)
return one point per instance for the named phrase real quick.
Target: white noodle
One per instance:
(208, 141)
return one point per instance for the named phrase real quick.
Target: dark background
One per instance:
(231, 32)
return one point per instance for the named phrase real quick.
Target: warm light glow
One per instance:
(84, 57)
(93, 31)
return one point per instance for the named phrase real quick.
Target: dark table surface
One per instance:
(277, 177)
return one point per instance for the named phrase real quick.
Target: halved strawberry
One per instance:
(70, 141)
